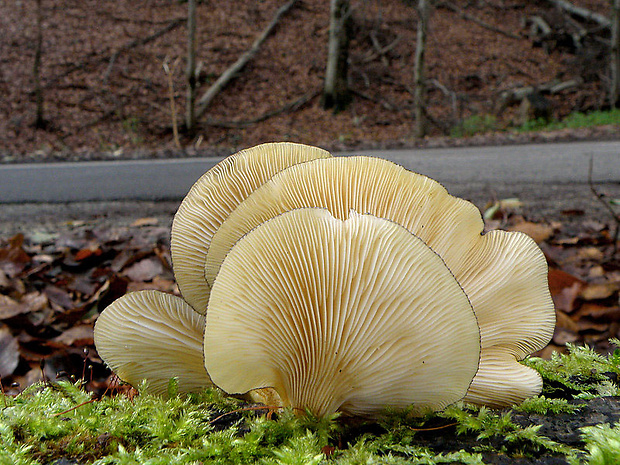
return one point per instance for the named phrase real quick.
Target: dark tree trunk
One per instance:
(190, 72)
(615, 55)
(39, 121)
(336, 93)
(419, 70)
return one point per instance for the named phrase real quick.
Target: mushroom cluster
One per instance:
(335, 284)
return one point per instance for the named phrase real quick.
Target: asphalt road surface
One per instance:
(549, 178)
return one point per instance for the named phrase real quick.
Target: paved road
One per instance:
(456, 168)
(549, 179)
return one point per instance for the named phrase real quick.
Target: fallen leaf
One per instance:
(597, 311)
(145, 222)
(144, 270)
(562, 320)
(562, 336)
(565, 289)
(9, 352)
(10, 307)
(59, 297)
(77, 335)
(599, 291)
(87, 253)
(537, 231)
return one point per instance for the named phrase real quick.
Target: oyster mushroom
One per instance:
(504, 274)
(153, 336)
(213, 197)
(353, 314)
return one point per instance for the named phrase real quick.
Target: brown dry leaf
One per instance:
(10, 307)
(567, 241)
(537, 231)
(145, 222)
(599, 290)
(562, 336)
(597, 311)
(590, 253)
(566, 322)
(144, 270)
(596, 272)
(565, 289)
(35, 301)
(77, 335)
(9, 352)
(87, 253)
(13, 258)
(5, 282)
(59, 297)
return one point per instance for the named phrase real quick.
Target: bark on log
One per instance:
(238, 65)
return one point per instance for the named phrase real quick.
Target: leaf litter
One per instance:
(53, 287)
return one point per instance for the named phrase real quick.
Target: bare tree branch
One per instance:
(292, 106)
(238, 65)
(478, 21)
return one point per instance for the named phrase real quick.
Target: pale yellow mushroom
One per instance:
(352, 315)
(503, 274)
(153, 336)
(210, 201)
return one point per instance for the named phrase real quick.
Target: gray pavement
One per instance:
(549, 178)
(170, 179)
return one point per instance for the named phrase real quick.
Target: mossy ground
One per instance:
(572, 422)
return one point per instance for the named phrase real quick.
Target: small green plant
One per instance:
(475, 124)
(602, 444)
(53, 421)
(572, 121)
(581, 373)
(542, 406)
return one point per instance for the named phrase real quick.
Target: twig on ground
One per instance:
(292, 106)
(478, 21)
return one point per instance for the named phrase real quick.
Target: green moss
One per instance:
(541, 405)
(602, 444)
(60, 420)
(581, 373)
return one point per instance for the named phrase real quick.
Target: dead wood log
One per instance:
(581, 12)
(291, 106)
(512, 96)
(238, 65)
(452, 7)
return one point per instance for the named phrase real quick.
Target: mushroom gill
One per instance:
(353, 314)
(153, 336)
(213, 197)
(503, 274)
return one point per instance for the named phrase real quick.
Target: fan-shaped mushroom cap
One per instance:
(210, 201)
(503, 274)
(353, 315)
(154, 336)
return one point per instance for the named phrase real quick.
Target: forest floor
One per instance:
(106, 94)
